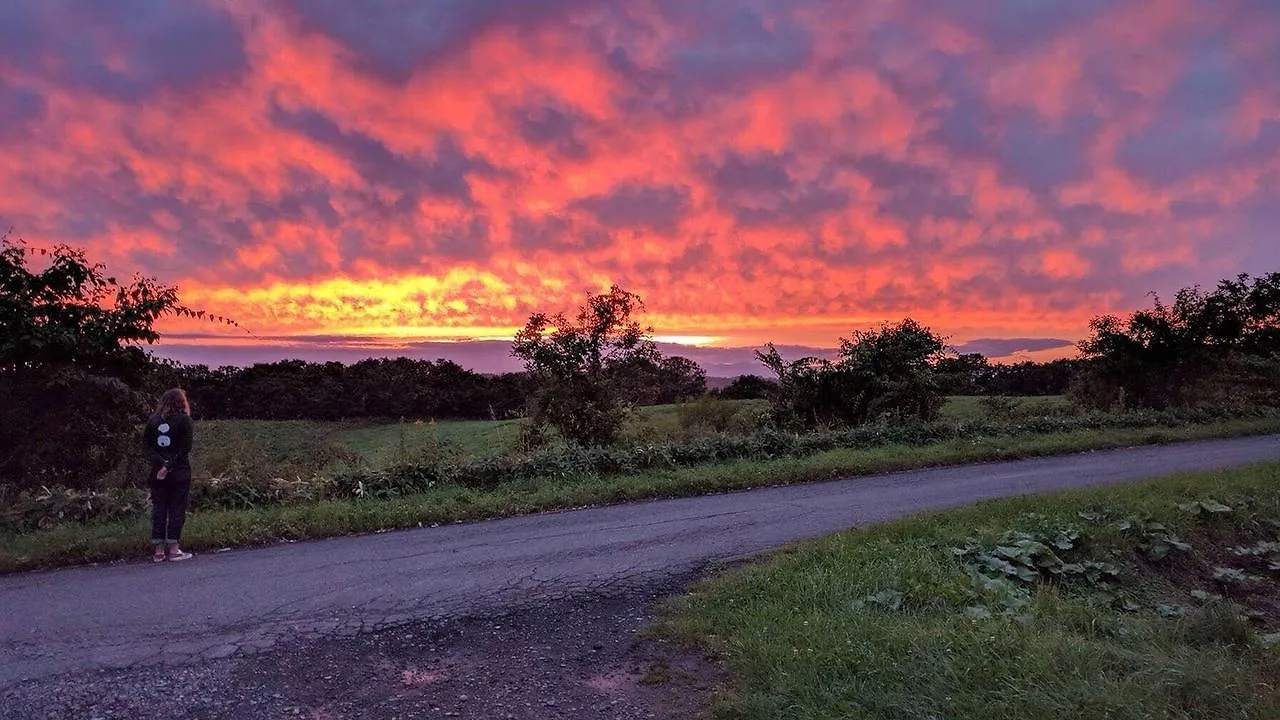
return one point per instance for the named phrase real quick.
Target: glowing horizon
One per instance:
(762, 171)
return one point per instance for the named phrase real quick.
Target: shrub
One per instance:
(1205, 348)
(999, 406)
(43, 508)
(707, 413)
(66, 429)
(70, 363)
(748, 387)
(883, 373)
(573, 362)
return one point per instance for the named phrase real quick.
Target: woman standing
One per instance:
(167, 443)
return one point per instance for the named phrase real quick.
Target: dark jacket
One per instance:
(167, 441)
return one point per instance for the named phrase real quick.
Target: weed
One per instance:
(1233, 576)
(1155, 539)
(1204, 507)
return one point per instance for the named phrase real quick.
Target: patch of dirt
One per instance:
(561, 660)
(1193, 571)
(579, 657)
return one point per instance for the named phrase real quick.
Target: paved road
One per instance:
(243, 601)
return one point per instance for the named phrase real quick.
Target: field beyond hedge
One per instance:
(260, 482)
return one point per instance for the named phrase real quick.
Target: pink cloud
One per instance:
(772, 171)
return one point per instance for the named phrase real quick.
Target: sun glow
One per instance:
(694, 340)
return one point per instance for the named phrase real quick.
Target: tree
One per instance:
(72, 313)
(571, 361)
(69, 363)
(1204, 348)
(680, 378)
(1032, 378)
(391, 388)
(748, 387)
(650, 379)
(885, 372)
(963, 374)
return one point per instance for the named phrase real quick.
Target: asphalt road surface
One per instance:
(244, 601)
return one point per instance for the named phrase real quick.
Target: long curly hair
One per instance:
(172, 402)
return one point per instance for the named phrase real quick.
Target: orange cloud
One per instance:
(785, 171)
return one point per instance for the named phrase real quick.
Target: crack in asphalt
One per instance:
(244, 602)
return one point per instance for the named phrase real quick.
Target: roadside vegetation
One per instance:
(66, 527)
(1158, 600)
(292, 450)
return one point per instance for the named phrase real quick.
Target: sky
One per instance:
(352, 178)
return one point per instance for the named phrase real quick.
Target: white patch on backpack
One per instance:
(163, 441)
(164, 427)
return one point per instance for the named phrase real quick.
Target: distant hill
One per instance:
(494, 356)
(719, 383)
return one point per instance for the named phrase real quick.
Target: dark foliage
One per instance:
(644, 380)
(377, 388)
(748, 387)
(394, 388)
(65, 427)
(1220, 348)
(886, 372)
(1031, 378)
(963, 374)
(582, 369)
(68, 351)
(973, 374)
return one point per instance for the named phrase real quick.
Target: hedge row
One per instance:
(29, 511)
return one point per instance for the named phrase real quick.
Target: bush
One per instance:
(70, 365)
(574, 364)
(67, 429)
(999, 406)
(581, 410)
(884, 373)
(1219, 348)
(47, 507)
(707, 413)
(748, 387)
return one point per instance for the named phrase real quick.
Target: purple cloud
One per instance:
(394, 38)
(176, 46)
(638, 206)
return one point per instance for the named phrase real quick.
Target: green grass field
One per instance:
(382, 445)
(299, 448)
(304, 448)
(385, 444)
(971, 408)
(1158, 600)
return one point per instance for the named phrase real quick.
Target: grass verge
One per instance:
(78, 544)
(1156, 600)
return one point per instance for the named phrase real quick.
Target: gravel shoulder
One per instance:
(576, 657)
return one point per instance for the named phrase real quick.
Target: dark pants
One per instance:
(169, 505)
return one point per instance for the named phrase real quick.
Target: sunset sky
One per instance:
(375, 175)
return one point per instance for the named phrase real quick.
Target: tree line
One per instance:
(392, 389)
(395, 388)
(75, 380)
